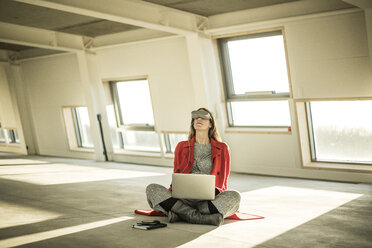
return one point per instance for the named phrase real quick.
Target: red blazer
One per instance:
(184, 160)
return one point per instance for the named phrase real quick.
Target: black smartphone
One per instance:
(148, 227)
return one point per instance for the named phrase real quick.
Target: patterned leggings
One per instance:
(227, 202)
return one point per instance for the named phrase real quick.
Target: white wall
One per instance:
(7, 114)
(329, 57)
(165, 62)
(52, 83)
(9, 110)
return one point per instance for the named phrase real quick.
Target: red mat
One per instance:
(237, 216)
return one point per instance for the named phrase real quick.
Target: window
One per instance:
(12, 136)
(135, 116)
(82, 127)
(171, 140)
(2, 136)
(340, 131)
(115, 139)
(78, 130)
(141, 141)
(256, 80)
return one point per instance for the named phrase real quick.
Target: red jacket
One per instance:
(184, 160)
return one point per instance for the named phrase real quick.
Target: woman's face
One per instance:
(202, 124)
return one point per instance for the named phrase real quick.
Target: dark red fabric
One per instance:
(244, 216)
(148, 212)
(237, 216)
(184, 159)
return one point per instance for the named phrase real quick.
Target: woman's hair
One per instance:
(212, 133)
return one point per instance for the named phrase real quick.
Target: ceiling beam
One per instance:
(363, 4)
(274, 12)
(36, 37)
(137, 13)
(136, 35)
(36, 52)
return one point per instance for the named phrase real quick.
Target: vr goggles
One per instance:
(200, 114)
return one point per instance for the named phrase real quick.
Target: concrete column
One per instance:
(96, 103)
(366, 5)
(21, 113)
(206, 78)
(368, 16)
(199, 80)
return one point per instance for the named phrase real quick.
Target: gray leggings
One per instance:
(227, 202)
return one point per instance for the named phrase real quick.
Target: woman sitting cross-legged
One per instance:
(202, 153)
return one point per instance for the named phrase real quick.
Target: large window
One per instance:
(141, 140)
(82, 127)
(9, 136)
(135, 117)
(78, 129)
(113, 128)
(256, 79)
(12, 136)
(2, 136)
(340, 131)
(171, 140)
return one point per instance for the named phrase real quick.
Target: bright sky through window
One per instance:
(84, 125)
(135, 102)
(258, 64)
(261, 113)
(342, 130)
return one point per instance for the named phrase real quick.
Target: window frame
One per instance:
(77, 124)
(305, 146)
(3, 135)
(121, 127)
(228, 84)
(70, 130)
(310, 130)
(167, 147)
(12, 135)
(312, 138)
(117, 108)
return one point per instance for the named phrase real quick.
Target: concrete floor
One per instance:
(57, 202)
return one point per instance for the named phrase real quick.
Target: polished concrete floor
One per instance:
(58, 202)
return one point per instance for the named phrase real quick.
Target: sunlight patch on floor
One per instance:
(41, 168)
(35, 237)
(15, 215)
(15, 161)
(62, 174)
(284, 208)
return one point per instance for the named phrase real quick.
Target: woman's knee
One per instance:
(233, 194)
(150, 188)
(153, 187)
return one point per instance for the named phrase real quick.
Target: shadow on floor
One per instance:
(100, 213)
(348, 226)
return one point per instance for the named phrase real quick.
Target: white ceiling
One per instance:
(56, 20)
(215, 7)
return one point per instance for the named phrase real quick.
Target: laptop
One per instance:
(193, 186)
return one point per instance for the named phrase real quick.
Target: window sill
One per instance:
(169, 155)
(138, 153)
(339, 167)
(79, 149)
(263, 130)
(10, 144)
